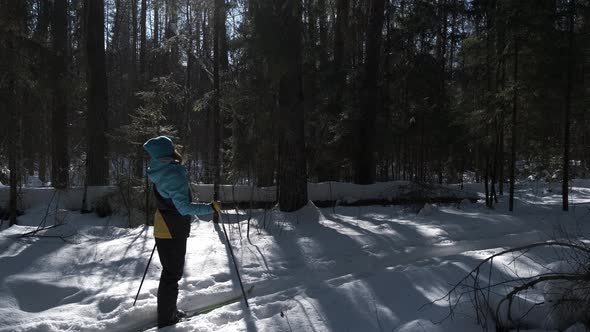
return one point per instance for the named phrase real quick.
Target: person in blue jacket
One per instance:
(172, 221)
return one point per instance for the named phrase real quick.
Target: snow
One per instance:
(362, 268)
(70, 199)
(577, 328)
(33, 181)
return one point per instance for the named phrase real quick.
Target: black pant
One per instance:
(171, 252)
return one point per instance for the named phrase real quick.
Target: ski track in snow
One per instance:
(355, 269)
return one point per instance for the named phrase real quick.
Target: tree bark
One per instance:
(134, 43)
(156, 4)
(215, 122)
(323, 34)
(223, 46)
(207, 137)
(453, 33)
(41, 34)
(12, 151)
(11, 20)
(500, 82)
(365, 157)
(60, 159)
(292, 173)
(143, 39)
(188, 96)
(487, 180)
(205, 51)
(513, 131)
(568, 102)
(170, 32)
(342, 9)
(97, 105)
(43, 19)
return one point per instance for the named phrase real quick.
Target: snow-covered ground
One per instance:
(345, 269)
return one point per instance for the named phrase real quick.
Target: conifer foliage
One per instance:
(285, 92)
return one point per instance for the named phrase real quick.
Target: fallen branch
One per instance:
(482, 295)
(542, 278)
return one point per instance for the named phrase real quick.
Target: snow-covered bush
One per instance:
(427, 210)
(465, 203)
(4, 175)
(128, 200)
(102, 207)
(33, 182)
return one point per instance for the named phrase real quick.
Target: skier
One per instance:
(172, 221)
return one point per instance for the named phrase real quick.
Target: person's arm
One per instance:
(176, 186)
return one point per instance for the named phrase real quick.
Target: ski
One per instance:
(202, 310)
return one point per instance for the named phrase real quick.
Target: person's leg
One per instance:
(171, 254)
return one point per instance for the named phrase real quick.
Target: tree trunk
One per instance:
(292, 174)
(495, 166)
(41, 34)
(43, 19)
(60, 160)
(323, 34)
(171, 31)
(188, 95)
(223, 46)
(513, 138)
(207, 137)
(487, 180)
(453, 33)
(42, 165)
(205, 51)
(156, 4)
(133, 69)
(133, 42)
(365, 158)
(12, 153)
(97, 106)
(27, 133)
(566, 116)
(143, 40)
(215, 123)
(501, 161)
(500, 84)
(342, 9)
(12, 134)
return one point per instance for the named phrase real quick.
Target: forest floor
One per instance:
(369, 268)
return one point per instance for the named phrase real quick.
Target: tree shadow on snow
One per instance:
(338, 262)
(249, 320)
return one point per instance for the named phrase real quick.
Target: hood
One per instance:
(159, 147)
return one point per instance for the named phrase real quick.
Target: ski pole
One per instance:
(144, 273)
(233, 258)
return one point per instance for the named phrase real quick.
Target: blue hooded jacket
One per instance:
(170, 177)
